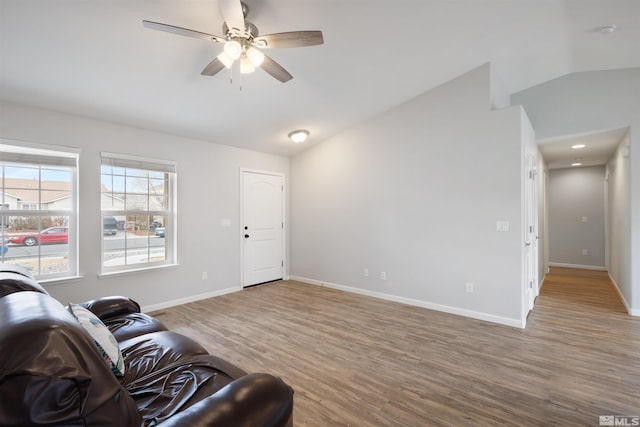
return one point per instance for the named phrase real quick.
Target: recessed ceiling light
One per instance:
(576, 164)
(578, 146)
(607, 29)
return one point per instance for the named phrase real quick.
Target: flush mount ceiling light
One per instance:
(607, 29)
(578, 146)
(299, 135)
(576, 164)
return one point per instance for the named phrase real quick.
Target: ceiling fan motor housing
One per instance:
(250, 31)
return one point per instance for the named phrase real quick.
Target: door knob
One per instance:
(246, 236)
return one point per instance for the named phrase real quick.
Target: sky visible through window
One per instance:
(48, 173)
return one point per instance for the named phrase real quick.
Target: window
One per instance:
(137, 199)
(38, 210)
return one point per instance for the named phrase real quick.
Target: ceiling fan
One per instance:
(243, 43)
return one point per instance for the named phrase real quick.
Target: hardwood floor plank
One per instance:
(359, 361)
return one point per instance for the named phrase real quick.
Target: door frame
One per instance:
(530, 259)
(285, 266)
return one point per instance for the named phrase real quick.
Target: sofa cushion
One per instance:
(132, 325)
(11, 282)
(123, 317)
(106, 343)
(167, 372)
(15, 268)
(51, 372)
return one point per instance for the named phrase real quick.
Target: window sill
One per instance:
(136, 271)
(59, 280)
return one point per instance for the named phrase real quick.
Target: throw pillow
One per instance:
(106, 343)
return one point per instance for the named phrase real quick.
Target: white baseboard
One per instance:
(584, 267)
(516, 323)
(186, 300)
(631, 311)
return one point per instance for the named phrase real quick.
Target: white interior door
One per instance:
(262, 227)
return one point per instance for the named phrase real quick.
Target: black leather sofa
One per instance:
(52, 372)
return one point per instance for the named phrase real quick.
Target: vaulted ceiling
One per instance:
(94, 58)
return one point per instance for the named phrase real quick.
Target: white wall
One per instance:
(416, 193)
(589, 102)
(208, 190)
(576, 194)
(618, 185)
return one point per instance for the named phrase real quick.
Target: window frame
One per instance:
(150, 165)
(41, 155)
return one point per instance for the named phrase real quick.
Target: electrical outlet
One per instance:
(383, 276)
(365, 272)
(204, 275)
(502, 226)
(469, 287)
(585, 252)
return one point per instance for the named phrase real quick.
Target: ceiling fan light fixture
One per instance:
(299, 135)
(246, 67)
(225, 59)
(239, 37)
(233, 49)
(255, 56)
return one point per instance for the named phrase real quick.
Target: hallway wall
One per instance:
(576, 217)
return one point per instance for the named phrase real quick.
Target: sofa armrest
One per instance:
(251, 400)
(107, 307)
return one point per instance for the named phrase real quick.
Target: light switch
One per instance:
(585, 219)
(502, 225)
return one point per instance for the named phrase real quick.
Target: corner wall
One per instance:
(590, 102)
(415, 193)
(208, 191)
(618, 182)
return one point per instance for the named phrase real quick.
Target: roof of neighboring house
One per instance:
(23, 189)
(52, 191)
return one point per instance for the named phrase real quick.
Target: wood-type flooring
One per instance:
(359, 361)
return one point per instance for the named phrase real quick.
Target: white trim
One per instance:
(44, 148)
(631, 311)
(186, 300)
(584, 267)
(58, 280)
(50, 155)
(136, 270)
(516, 323)
(170, 213)
(127, 160)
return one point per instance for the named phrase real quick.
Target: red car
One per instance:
(50, 235)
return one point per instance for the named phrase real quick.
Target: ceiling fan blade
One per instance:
(290, 39)
(275, 69)
(181, 31)
(213, 68)
(232, 14)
